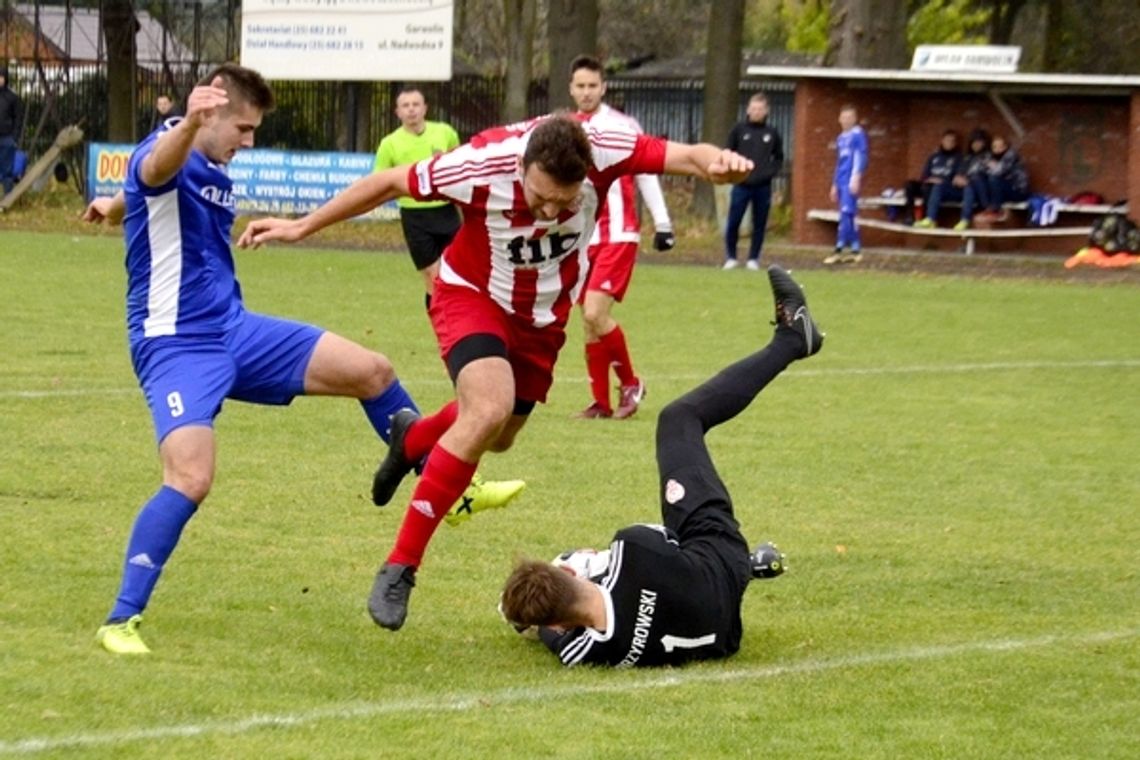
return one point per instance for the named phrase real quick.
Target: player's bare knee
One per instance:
(594, 316)
(380, 375)
(485, 421)
(194, 485)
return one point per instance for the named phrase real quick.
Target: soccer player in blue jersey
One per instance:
(850, 165)
(193, 343)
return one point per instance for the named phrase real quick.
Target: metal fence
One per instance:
(314, 115)
(62, 78)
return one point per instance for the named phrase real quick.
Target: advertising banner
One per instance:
(342, 40)
(266, 181)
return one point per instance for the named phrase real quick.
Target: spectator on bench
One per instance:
(971, 168)
(1004, 180)
(936, 183)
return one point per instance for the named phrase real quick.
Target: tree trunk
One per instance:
(571, 30)
(363, 117)
(722, 88)
(355, 117)
(119, 28)
(519, 16)
(868, 34)
(1002, 19)
(1054, 37)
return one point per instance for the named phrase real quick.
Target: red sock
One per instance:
(618, 352)
(424, 434)
(598, 367)
(443, 482)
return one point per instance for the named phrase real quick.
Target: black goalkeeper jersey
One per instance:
(665, 604)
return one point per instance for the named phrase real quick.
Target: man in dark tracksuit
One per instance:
(754, 139)
(667, 594)
(11, 126)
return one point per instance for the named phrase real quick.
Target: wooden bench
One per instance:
(1096, 209)
(968, 236)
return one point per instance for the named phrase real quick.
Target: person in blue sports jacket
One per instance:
(938, 179)
(193, 343)
(850, 166)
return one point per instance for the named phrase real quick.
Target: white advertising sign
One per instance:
(993, 59)
(360, 40)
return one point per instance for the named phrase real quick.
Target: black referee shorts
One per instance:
(427, 232)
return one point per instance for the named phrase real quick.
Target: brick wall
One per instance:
(1134, 159)
(1071, 144)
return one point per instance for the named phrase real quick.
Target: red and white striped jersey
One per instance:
(619, 221)
(531, 268)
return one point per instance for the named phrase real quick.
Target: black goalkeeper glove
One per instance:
(664, 241)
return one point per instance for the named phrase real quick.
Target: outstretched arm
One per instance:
(361, 196)
(706, 161)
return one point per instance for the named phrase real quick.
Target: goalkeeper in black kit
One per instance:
(668, 594)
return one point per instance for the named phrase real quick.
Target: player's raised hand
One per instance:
(729, 167)
(204, 101)
(262, 231)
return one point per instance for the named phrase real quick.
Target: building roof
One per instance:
(1020, 83)
(693, 66)
(76, 34)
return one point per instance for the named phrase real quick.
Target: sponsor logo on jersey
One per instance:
(218, 196)
(540, 249)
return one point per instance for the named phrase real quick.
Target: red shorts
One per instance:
(458, 312)
(611, 268)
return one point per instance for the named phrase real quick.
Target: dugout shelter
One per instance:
(1076, 133)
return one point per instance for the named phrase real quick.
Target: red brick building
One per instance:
(1075, 132)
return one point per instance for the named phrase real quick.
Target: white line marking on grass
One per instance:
(622, 686)
(70, 392)
(921, 369)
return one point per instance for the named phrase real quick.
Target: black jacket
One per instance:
(943, 165)
(760, 143)
(11, 114)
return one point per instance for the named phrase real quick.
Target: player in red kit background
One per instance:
(529, 194)
(613, 254)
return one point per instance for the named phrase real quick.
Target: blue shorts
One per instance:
(261, 360)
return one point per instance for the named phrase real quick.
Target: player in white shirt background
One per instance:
(613, 253)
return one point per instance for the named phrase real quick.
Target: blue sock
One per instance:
(380, 409)
(153, 538)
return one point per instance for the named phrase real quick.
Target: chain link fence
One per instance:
(57, 63)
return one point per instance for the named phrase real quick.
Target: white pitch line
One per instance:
(69, 392)
(482, 700)
(921, 369)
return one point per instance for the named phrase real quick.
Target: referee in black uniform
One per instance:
(669, 594)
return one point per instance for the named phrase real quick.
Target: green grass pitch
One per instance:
(954, 480)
